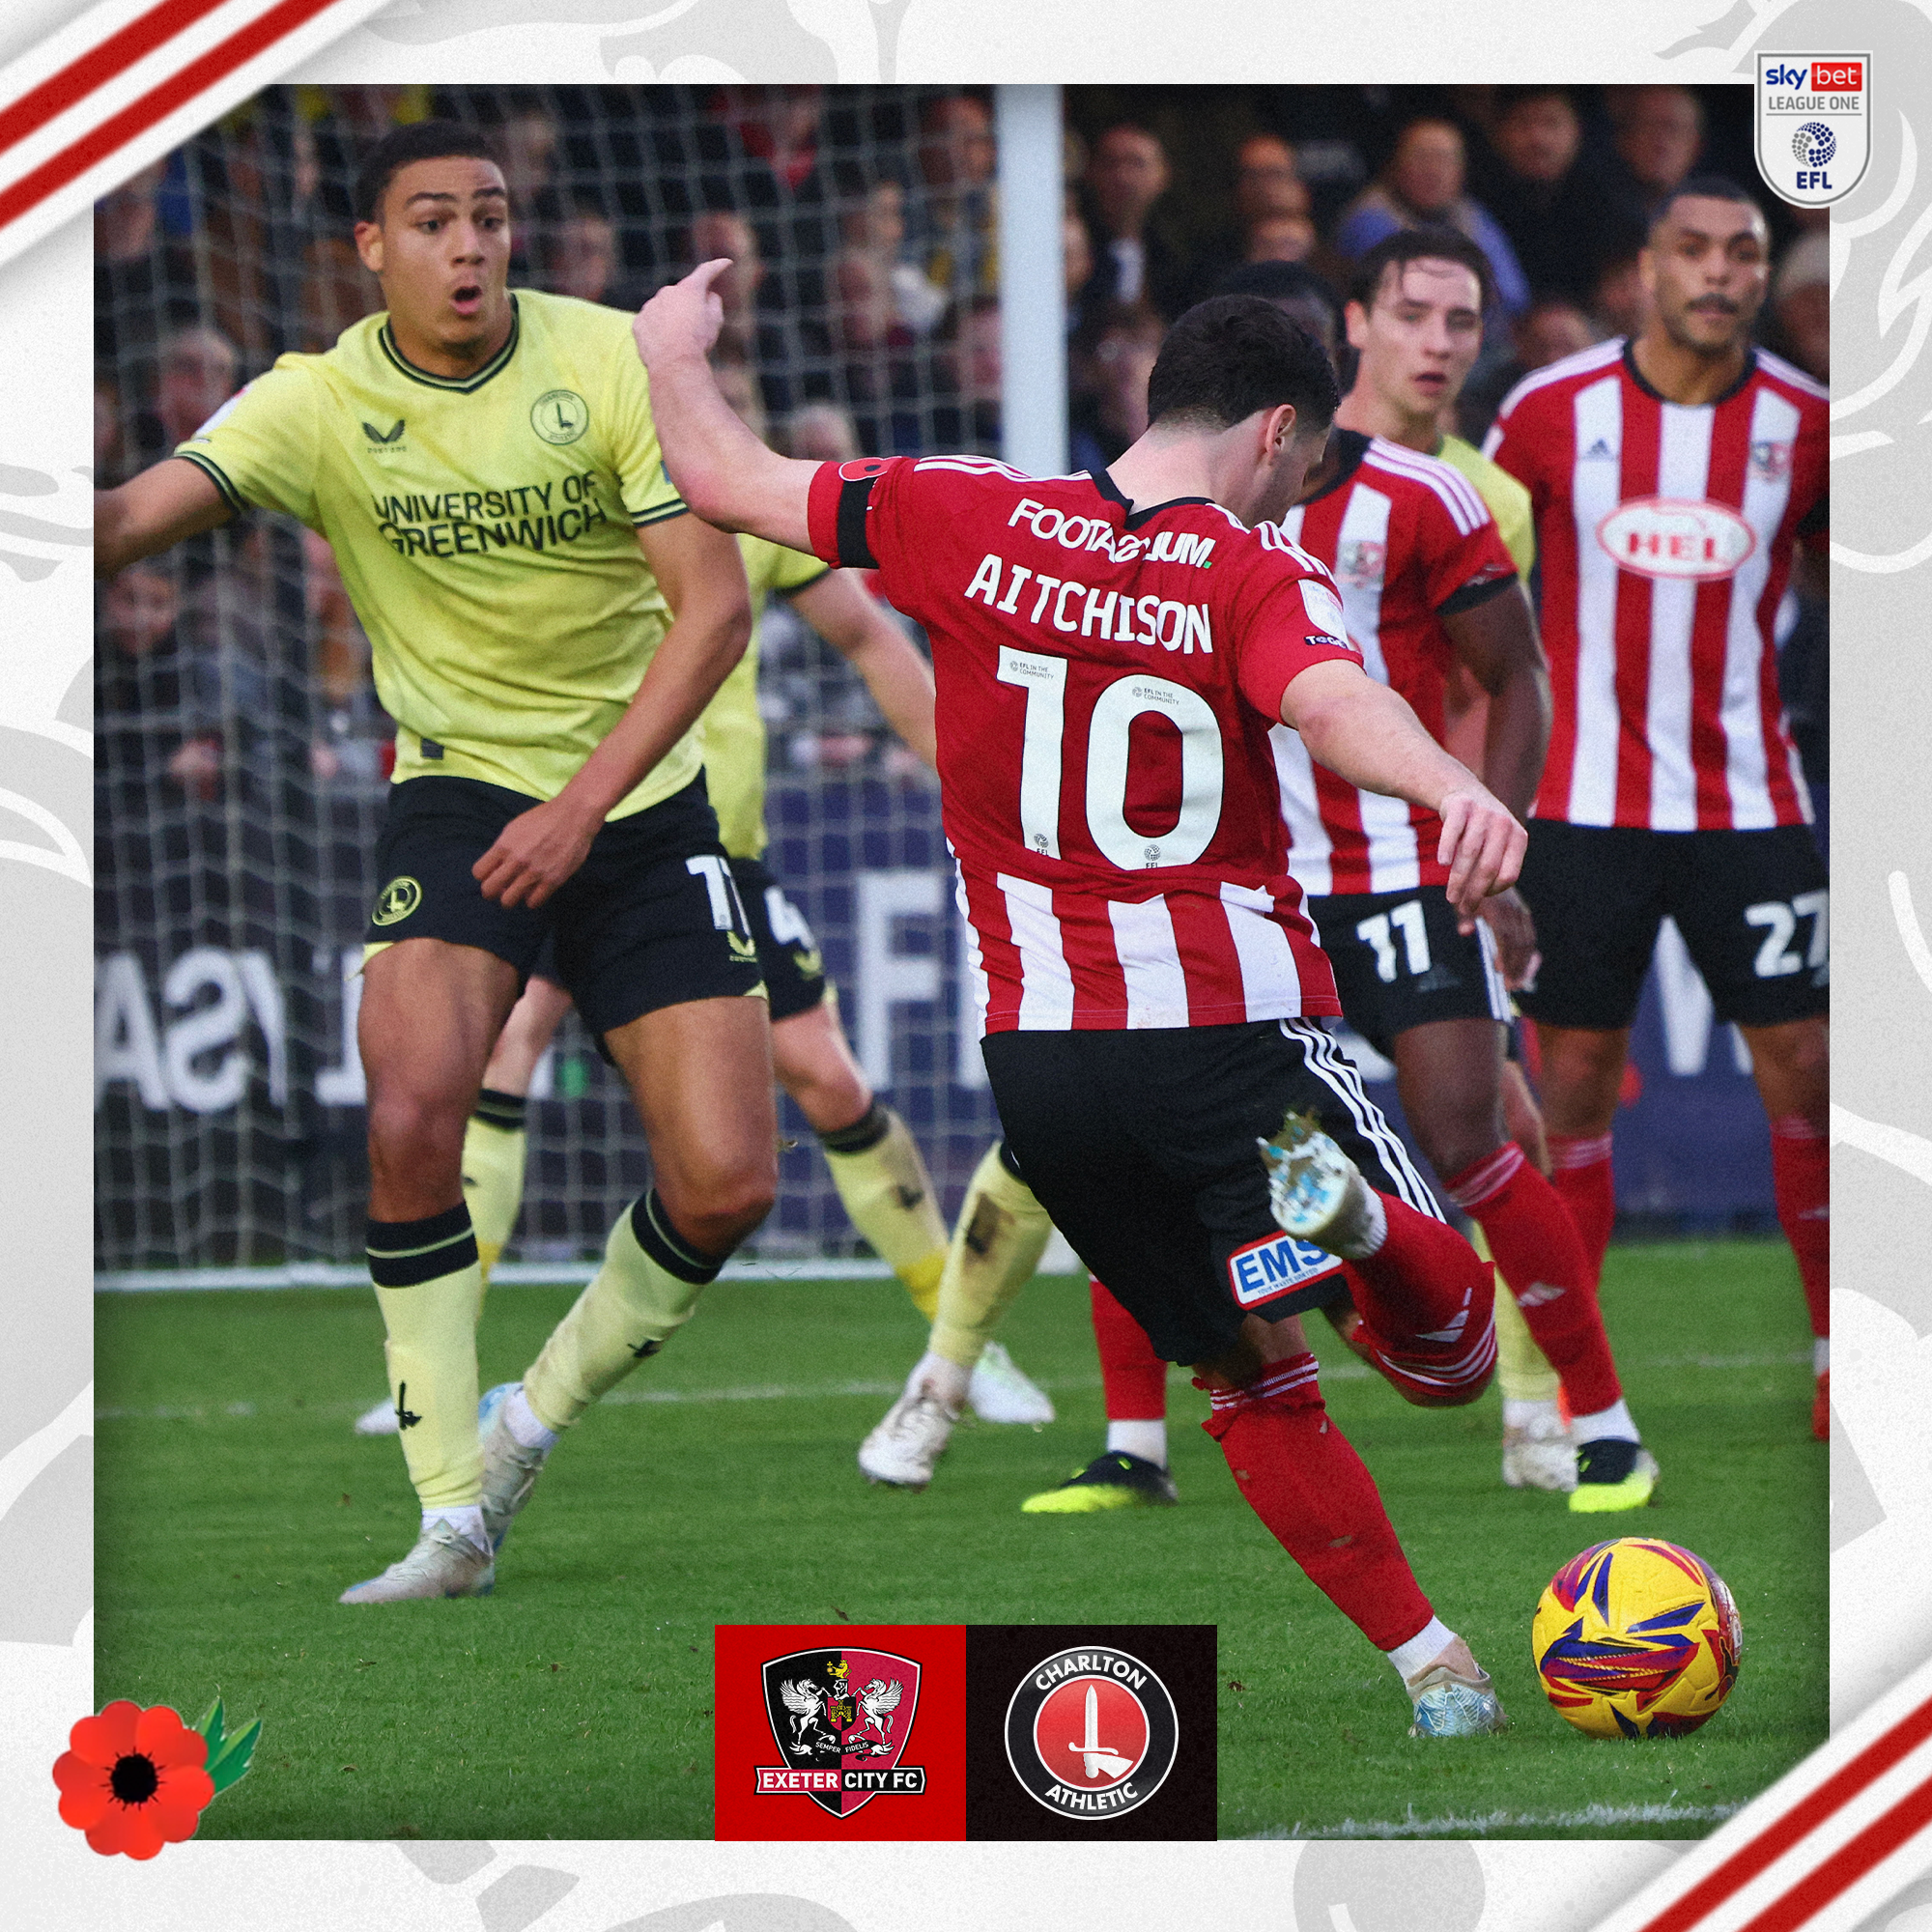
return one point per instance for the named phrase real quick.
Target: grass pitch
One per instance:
(719, 1487)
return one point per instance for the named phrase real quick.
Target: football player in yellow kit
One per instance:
(548, 624)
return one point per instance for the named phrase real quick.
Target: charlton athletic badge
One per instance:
(841, 1718)
(1813, 124)
(1092, 1732)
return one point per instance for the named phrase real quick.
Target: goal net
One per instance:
(242, 757)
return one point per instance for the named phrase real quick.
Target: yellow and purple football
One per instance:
(1637, 1638)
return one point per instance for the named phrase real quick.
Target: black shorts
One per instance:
(651, 918)
(1141, 1144)
(1752, 908)
(1400, 963)
(787, 954)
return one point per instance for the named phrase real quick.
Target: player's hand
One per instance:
(534, 854)
(1481, 844)
(1508, 918)
(682, 319)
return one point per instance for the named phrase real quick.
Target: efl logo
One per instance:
(1275, 1265)
(1813, 124)
(1092, 1733)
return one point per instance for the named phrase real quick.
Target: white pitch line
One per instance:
(1591, 1817)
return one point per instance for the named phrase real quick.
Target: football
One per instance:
(1637, 1638)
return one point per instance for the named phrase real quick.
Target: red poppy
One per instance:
(134, 1779)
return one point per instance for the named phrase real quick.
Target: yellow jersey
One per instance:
(1508, 500)
(486, 533)
(734, 727)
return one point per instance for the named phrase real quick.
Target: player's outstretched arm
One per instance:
(166, 502)
(849, 618)
(720, 468)
(701, 574)
(1367, 733)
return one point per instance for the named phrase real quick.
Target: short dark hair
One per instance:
(1280, 281)
(1230, 355)
(1705, 187)
(419, 141)
(1434, 242)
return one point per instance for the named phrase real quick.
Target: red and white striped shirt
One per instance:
(1666, 534)
(1407, 539)
(1106, 681)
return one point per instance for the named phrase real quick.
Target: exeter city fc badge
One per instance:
(1813, 124)
(840, 1718)
(1092, 1732)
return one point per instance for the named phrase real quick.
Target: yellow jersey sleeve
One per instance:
(650, 496)
(793, 570)
(264, 445)
(1508, 500)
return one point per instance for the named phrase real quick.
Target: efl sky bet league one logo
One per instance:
(840, 1718)
(1092, 1732)
(1813, 124)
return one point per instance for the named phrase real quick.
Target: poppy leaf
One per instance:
(210, 1728)
(236, 1753)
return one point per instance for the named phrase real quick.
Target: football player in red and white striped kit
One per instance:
(1111, 653)
(1426, 583)
(1673, 476)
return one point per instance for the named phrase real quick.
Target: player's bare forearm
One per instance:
(849, 618)
(722, 470)
(170, 501)
(702, 577)
(1496, 641)
(1367, 733)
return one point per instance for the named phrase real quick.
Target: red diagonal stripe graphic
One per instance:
(1849, 1863)
(1806, 1816)
(115, 55)
(118, 129)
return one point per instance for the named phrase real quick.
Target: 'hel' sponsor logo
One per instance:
(840, 1720)
(1090, 1732)
(1276, 1265)
(397, 901)
(1676, 537)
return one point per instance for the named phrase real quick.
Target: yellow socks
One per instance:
(642, 1296)
(428, 1285)
(1002, 1234)
(493, 1147)
(1522, 1369)
(888, 1194)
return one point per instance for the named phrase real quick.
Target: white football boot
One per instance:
(1316, 1192)
(379, 1420)
(1539, 1454)
(1000, 1392)
(445, 1563)
(1450, 1705)
(910, 1439)
(510, 1470)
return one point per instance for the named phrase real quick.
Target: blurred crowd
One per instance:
(862, 310)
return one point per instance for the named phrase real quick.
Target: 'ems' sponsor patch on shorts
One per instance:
(1276, 1265)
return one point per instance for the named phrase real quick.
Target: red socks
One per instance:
(1428, 1307)
(1800, 1183)
(1539, 1256)
(1581, 1173)
(1301, 1477)
(1132, 1375)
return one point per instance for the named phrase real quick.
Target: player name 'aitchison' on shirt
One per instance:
(1103, 734)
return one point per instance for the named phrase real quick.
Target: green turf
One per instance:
(234, 1504)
